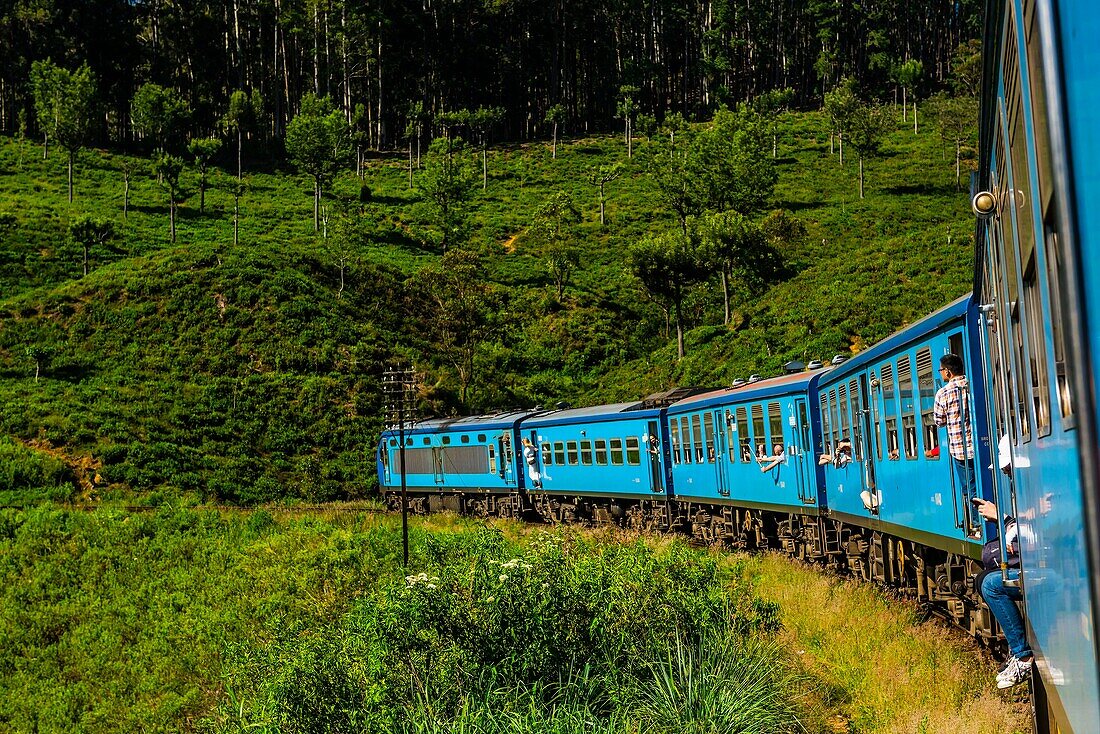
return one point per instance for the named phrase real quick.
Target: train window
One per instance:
(685, 438)
(834, 419)
(890, 412)
(908, 417)
(926, 389)
(409, 441)
(481, 438)
(1040, 379)
(559, 453)
(601, 452)
(1021, 412)
(633, 451)
(697, 438)
(826, 426)
(758, 429)
(876, 415)
(744, 437)
(586, 453)
(617, 451)
(708, 435)
(731, 436)
(571, 453)
(842, 409)
(492, 459)
(393, 442)
(674, 434)
(775, 424)
(547, 457)
(465, 438)
(446, 440)
(857, 419)
(1056, 282)
(428, 440)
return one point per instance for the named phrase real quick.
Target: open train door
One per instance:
(800, 451)
(862, 444)
(653, 451)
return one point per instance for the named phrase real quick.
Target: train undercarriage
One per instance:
(941, 581)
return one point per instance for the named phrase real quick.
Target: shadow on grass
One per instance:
(922, 189)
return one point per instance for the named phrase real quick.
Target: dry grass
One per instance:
(882, 667)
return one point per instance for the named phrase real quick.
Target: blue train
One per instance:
(841, 464)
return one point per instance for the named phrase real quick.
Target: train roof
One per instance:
(616, 411)
(781, 385)
(489, 421)
(954, 310)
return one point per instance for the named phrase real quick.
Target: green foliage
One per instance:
(160, 114)
(318, 143)
(491, 625)
(203, 151)
(445, 184)
(28, 476)
(89, 233)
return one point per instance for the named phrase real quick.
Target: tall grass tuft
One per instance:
(721, 685)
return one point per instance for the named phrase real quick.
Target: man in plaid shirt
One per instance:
(952, 409)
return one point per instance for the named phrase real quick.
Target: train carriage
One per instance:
(610, 455)
(467, 464)
(881, 448)
(744, 454)
(1036, 275)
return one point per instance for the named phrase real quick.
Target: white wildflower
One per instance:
(431, 586)
(491, 599)
(504, 577)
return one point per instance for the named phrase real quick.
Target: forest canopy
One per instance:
(548, 65)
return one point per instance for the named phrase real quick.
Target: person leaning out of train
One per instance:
(1000, 597)
(951, 410)
(768, 463)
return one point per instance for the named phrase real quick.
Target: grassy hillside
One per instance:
(244, 373)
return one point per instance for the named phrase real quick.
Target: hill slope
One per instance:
(245, 372)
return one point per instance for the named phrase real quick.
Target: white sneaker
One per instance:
(1016, 672)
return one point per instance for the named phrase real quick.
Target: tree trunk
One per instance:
(316, 205)
(840, 140)
(85, 259)
(236, 219)
(410, 164)
(914, 117)
(903, 115)
(172, 219)
(554, 153)
(832, 150)
(958, 172)
(726, 296)
(679, 330)
(484, 167)
(45, 147)
(239, 141)
(202, 192)
(601, 205)
(37, 369)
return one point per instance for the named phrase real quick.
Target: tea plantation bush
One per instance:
(561, 634)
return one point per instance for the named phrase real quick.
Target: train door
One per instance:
(800, 450)
(653, 451)
(438, 459)
(862, 442)
(506, 453)
(720, 453)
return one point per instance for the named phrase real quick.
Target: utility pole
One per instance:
(398, 383)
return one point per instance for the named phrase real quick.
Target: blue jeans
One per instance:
(964, 473)
(1002, 602)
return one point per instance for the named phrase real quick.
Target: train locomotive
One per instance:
(840, 464)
